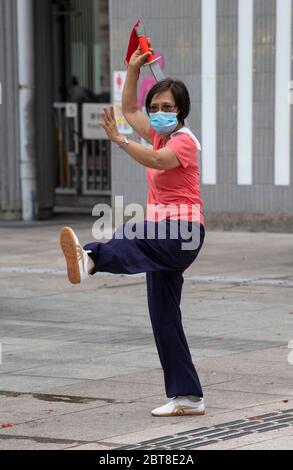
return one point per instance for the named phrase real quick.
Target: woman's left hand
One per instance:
(109, 124)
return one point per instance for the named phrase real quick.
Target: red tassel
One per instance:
(132, 46)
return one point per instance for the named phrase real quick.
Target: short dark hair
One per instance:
(179, 92)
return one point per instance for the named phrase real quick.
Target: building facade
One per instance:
(235, 57)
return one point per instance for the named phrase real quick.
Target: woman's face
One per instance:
(163, 102)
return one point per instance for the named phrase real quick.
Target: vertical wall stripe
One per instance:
(245, 92)
(10, 189)
(209, 15)
(282, 106)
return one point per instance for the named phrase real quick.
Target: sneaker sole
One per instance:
(68, 246)
(181, 413)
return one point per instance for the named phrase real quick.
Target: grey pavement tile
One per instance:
(214, 377)
(18, 345)
(18, 365)
(21, 293)
(277, 354)
(150, 376)
(94, 424)
(66, 353)
(201, 353)
(259, 385)
(232, 400)
(66, 314)
(28, 407)
(55, 281)
(109, 389)
(26, 383)
(77, 332)
(79, 370)
(237, 363)
(31, 443)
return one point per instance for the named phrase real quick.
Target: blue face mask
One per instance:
(164, 123)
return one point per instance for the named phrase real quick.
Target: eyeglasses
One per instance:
(166, 108)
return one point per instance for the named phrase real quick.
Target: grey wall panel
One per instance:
(10, 204)
(248, 199)
(290, 195)
(226, 96)
(264, 94)
(44, 107)
(227, 8)
(267, 7)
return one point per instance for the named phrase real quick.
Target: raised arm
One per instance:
(136, 118)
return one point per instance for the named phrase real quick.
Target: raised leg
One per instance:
(122, 255)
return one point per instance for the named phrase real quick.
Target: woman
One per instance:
(173, 180)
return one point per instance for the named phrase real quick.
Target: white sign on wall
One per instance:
(71, 110)
(119, 77)
(118, 84)
(122, 124)
(91, 115)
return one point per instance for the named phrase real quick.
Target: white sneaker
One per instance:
(77, 259)
(181, 406)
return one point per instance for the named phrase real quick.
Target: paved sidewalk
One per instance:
(79, 364)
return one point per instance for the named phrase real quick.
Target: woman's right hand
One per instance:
(138, 58)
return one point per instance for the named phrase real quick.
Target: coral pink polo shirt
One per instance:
(178, 188)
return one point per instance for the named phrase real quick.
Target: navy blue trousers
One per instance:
(163, 261)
